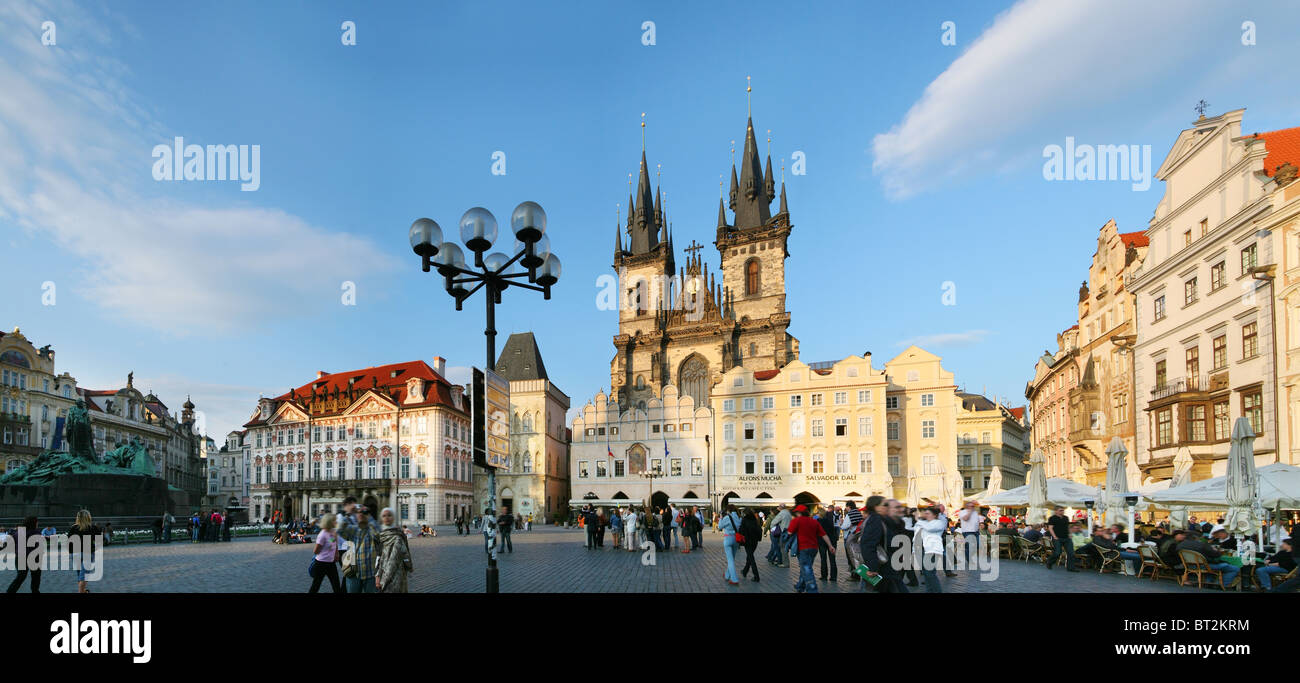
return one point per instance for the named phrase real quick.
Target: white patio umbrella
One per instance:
(1116, 482)
(1241, 483)
(1279, 488)
(1037, 489)
(1063, 492)
(956, 488)
(913, 496)
(1182, 477)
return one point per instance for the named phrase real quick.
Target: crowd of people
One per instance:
(1070, 539)
(83, 527)
(356, 555)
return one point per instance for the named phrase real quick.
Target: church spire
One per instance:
(722, 214)
(618, 235)
(752, 203)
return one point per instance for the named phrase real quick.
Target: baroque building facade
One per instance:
(1205, 352)
(118, 416)
(1101, 406)
(34, 401)
(392, 436)
(1055, 375)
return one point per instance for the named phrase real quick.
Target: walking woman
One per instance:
(30, 529)
(394, 555)
(87, 534)
(751, 531)
(327, 548)
(729, 524)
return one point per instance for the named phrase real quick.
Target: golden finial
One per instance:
(720, 195)
(642, 131)
(733, 152)
(629, 186)
(618, 213)
(748, 97)
(769, 142)
(659, 172)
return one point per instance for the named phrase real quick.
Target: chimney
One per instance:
(440, 366)
(456, 391)
(320, 374)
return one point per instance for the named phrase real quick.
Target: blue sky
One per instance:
(924, 165)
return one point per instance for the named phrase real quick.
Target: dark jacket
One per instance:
(1210, 552)
(691, 524)
(828, 523)
(751, 530)
(877, 532)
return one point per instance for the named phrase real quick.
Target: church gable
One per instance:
(288, 412)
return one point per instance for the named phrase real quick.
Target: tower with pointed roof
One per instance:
(687, 326)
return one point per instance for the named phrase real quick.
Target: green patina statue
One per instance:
(130, 459)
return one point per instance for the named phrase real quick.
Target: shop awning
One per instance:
(604, 502)
(700, 502)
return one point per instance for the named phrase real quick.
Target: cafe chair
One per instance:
(1195, 563)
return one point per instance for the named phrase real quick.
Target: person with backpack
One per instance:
(650, 520)
(809, 536)
(851, 529)
(729, 525)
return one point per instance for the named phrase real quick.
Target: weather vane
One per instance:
(1201, 107)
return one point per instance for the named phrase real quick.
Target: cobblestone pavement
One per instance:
(545, 560)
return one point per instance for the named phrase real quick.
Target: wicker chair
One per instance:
(1279, 578)
(1108, 558)
(1151, 560)
(1006, 546)
(1195, 563)
(1029, 550)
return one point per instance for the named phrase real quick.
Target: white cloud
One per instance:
(1042, 60)
(929, 341)
(76, 171)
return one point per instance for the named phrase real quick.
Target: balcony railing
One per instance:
(1179, 386)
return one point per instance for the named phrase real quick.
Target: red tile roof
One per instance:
(389, 380)
(1283, 146)
(1018, 413)
(1135, 239)
(762, 375)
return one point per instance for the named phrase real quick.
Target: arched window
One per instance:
(751, 277)
(528, 422)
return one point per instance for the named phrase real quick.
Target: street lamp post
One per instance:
(493, 274)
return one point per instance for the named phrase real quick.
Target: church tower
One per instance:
(688, 327)
(644, 270)
(753, 251)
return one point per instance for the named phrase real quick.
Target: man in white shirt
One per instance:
(968, 522)
(629, 529)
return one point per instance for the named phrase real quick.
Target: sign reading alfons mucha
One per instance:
(779, 485)
(491, 420)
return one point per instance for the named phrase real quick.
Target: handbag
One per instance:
(735, 528)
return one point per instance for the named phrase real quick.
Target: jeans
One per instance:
(591, 536)
(807, 582)
(674, 532)
(1264, 576)
(749, 562)
(359, 585)
(167, 533)
(729, 550)
(1136, 560)
(1067, 545)
(772, 553)
(930, 564)
(667, 538)
(972, 541)
(194, 534)
(1230, 571)
(504, 543)
(827, 558)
